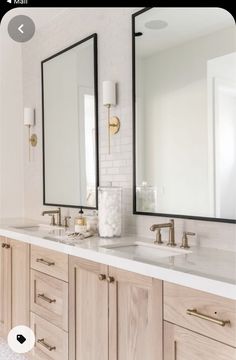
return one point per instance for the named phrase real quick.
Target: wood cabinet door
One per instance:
(88, 310)
(20, 283)
(182, 344)
(5, 287)
(135, 316)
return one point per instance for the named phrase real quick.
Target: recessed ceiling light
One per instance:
(156, 24)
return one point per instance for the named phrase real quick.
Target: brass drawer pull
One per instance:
(110, 279)
(102, 277)
(194, 312)
(47, 346)
(45, 298)
(45, 262)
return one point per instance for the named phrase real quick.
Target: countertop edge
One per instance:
(193, 281)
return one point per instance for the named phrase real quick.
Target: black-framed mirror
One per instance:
(184, 113)
(70, 126)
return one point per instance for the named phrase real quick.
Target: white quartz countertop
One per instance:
(204, 269)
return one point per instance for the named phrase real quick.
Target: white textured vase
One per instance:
(109, 211)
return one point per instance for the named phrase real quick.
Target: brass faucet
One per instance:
(158, 227)
(53, 213)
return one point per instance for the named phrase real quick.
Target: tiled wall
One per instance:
(113, 26)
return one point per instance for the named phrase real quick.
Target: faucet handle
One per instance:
(185, 244)
(66, 221)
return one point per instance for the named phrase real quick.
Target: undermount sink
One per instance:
(141, 250)
(56, 232)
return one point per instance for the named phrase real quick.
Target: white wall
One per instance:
(113, 26)
(11, 126)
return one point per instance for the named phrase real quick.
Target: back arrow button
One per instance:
(20, 28)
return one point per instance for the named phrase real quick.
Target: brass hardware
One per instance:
(7, 246)
(3, 245)
(45, 262)
(114, 125)
(194, 312)
(158, 227)
(102, 277)
(175, 350)
(185, 244)
(47, 346)
(110, 279)
(53, 221)
(45, 298)
(33, 140)
(66, 223)
(54, 212)
(158, 237)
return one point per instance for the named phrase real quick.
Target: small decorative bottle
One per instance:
(109, 211)
(80, 223)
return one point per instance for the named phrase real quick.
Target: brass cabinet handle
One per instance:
(194, 312)
(6, 246)
(110, 279)
(45, 262)
(102, 277)
(45, 298)
(47, 346)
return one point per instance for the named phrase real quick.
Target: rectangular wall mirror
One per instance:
(184, 113)
(70, 126)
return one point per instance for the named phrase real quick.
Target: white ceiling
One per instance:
(184, 24)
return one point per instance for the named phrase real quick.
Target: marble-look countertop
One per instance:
(206, 269)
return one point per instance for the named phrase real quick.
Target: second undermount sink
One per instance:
(141, 250)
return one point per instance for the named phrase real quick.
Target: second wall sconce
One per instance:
(29, 120)
(109, 99)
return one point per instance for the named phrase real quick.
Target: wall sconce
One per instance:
(109, 99)
(30, 121)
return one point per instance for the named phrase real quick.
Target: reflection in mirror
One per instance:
(185, 112)
(70, 126)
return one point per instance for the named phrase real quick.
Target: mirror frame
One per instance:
(95, 56)
(135, 211)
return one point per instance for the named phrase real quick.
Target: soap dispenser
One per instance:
(80, 222)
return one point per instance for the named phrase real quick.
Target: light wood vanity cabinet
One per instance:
(183, 344)
(114, 314)
(49, 304)
(14, 284)
(198, 325)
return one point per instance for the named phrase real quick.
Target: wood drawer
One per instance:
(182, 344)
(49, 299)
(49, 262)
(51, 342)
(179, 299)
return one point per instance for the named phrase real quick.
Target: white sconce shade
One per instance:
(109, 93)
(28, 116)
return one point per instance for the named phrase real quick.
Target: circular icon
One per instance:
(21, 339)
(21, 28)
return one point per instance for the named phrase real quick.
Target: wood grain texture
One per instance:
(60, 268)
(88, 310)
(53, 336)
(20, 278)
(135, 317)
(5, 288)
(177, 299)
(182, 344)
(55, 289)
